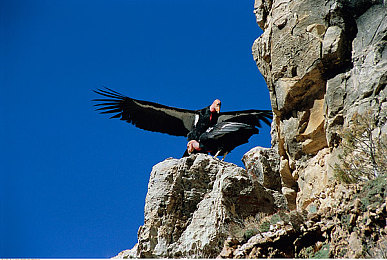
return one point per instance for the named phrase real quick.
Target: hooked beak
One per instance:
(217, 109)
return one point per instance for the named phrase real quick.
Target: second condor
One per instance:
(222, 138)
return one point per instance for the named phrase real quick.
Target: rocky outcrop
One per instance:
(262, 165)
(192, 203)
(353, 226)
(323, 61)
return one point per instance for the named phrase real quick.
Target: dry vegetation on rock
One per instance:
(364, 151)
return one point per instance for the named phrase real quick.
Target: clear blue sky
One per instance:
(73, 183)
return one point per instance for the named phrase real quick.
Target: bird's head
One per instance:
(192, 146)
(215, 107)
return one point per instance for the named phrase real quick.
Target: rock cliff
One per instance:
(192, 203)
(324, 62)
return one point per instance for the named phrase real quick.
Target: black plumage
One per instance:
(170, 120)
(251, 117)
(224, 137)
(205, 120)
(146, 115)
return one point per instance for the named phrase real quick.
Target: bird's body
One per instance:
(222, 138)
(225, 136)
(176, 121)
(156, 117)
(205, 119)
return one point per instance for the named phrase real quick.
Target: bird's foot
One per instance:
(216, 155)
(224, 156)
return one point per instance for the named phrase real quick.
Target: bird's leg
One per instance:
(224, 155)
(216, 155)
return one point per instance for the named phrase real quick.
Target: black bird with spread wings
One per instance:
(170, 120)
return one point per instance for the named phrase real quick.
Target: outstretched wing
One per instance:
(146, 115)
(228, 128)
(250, 117)
(225, 136)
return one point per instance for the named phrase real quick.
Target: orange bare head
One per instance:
(215, 107)
(192, 146)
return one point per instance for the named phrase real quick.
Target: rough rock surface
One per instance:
(353, 226)
(323, 62)
(190, 204)
(262, 164)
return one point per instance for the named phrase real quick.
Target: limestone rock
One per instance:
(355, 246)
(261, 10)
(314, 134)
(192, 201)
(323, 61)
(263, 164)
(333, 45)
(348, 229)
(313, 179)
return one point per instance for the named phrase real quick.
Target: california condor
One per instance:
(222, 138)
(156, 117)
(170, 120)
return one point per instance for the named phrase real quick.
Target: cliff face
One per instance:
(323, 62)
(192, 203)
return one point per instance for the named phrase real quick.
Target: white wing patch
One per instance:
(196, 119)
(209, 129)
(225, 126)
